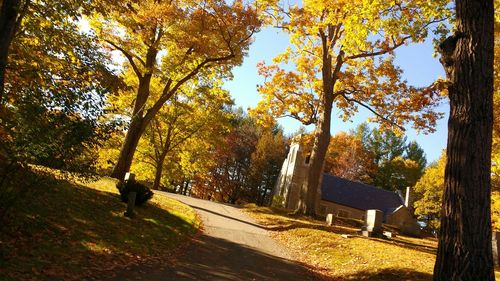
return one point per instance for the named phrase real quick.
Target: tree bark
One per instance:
(137, 126)
(129, 147)
(158, 172)
(139, 120)
(9, 20)
(311, 190)
(159, 165)
(465, 250)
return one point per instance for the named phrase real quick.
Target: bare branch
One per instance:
(169, 92)
(305, 121)
(379, 52)
(373, 111)
(129, 57)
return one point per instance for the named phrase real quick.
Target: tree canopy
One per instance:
(178, 44)
(341, 55)
(56, 81)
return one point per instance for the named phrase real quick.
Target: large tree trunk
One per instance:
(129, 147)
(311, 189)
(9, 20)
(140, 119)
(158, 172)
(136, 129)
(465, 251)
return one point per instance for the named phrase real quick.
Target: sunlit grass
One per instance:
(75, 229)
(358, 258)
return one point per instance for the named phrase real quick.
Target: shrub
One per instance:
(143, 192)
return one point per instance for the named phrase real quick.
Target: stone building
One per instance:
(342, 197)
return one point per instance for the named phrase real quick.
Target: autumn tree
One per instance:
(173, 42)
(183, 118)
(347, 158)
(55, 19)
(428, 194)
(227, 179)
(245, 163)
(187, 125)
(399, 164)
(429, 197)
(11, 15)
(265, 165)
(342, 55)
(464, 250)
(55, 85)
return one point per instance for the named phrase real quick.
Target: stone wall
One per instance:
(327, 207)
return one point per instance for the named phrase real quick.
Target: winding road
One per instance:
(231, 247)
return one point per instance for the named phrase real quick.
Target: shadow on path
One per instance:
(209, 258)
(284, 227)
(227, 217)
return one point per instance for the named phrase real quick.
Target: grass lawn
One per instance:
(324, 250)
(70, 231)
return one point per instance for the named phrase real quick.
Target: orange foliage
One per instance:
(347, 158)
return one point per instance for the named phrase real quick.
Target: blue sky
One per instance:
(420, 69)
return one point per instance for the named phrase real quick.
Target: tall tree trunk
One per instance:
(140, 119)
(465, 251)
(9, 20)
(159, 166)
(311, 189)
(158, 172)
(128, 149)
(137, 126)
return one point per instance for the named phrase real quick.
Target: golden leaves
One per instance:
(333, 46)
(296, 95)
(177, 36)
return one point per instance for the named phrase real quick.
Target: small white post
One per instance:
(129, 176)
(329, 219)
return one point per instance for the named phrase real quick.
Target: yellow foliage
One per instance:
(429, 191)
(342, 53)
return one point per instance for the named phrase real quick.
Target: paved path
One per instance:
(232, 247)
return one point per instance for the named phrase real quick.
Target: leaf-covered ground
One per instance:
(71, 231)
(358, 258)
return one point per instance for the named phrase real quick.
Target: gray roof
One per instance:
(358, 195)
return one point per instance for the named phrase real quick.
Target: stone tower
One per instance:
(292, 176)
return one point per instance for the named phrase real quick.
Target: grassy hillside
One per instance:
(72, 230)
(359, 258)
